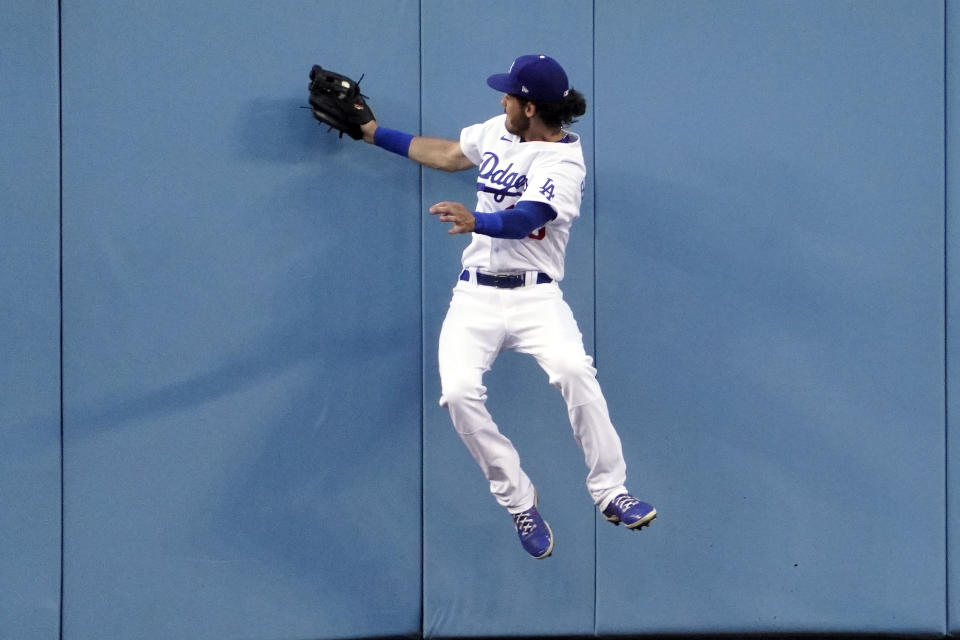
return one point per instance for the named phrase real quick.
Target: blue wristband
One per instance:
(393, 140)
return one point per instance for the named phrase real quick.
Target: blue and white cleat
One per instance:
(631, 512)
(535, 534)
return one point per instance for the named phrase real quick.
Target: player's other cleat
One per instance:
(630, 511)
(535, 534)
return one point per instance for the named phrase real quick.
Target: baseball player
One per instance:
(529, 186)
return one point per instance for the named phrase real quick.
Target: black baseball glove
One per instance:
(336, 101)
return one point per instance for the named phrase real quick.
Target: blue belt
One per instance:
(504, 282)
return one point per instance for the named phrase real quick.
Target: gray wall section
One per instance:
(773, 173)
(251, 310)
(29, 322)
(242, 455)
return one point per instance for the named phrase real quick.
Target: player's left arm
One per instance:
(436, 153)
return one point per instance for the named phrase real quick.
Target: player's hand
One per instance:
(368, 130)
(459, 215)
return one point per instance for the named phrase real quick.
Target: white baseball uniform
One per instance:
(484, 320)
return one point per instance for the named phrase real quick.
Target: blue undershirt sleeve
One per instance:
(523, 219)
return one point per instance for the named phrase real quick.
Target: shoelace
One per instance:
(524, 523)
(625, 501)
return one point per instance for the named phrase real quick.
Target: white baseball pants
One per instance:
(481, 322)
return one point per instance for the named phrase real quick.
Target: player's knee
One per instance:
(458, 392)
(576, 379)
(571, 370)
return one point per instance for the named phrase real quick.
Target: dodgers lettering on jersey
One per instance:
(503, 182)
(511, 171)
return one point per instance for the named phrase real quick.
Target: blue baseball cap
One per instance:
(534, 77)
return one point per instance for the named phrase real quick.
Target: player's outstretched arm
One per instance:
(436, 153)
(439, 153)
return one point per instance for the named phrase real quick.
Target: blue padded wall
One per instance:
(772, 173)
(29, 322)
(241, 417)
(953, 313)
(251, 311)
(489, 590)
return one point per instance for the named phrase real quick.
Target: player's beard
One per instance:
(517, 124)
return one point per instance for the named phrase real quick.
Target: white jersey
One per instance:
(510, 170)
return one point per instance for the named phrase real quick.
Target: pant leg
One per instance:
(544, 326)
(470, 339)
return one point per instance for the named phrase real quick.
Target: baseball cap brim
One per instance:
(503, 82)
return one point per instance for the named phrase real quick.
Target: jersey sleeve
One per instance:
(470, 142)
(558, 184)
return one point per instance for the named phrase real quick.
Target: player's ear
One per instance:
(529, 109)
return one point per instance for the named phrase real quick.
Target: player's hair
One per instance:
(564, 112)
